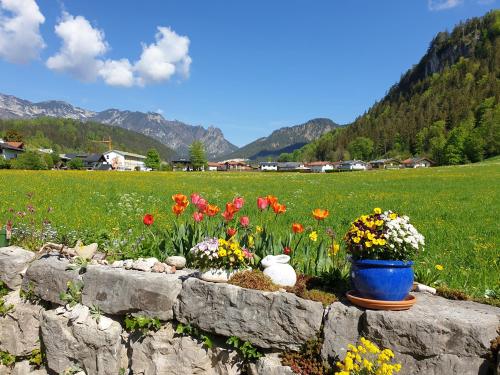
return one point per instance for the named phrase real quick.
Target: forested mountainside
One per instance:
(286, 139)
(65, 135)
(446, 107)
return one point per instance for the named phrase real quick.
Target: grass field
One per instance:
(455, 208)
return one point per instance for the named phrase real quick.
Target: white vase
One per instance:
(217, 275)
(278, 269)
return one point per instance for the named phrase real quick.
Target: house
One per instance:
(353, 165)
(93, 160)
(234, 165)
(8, 152)
(320, 166)
(125, 161)
(417, 163)
(292, 166)
(385, 164)
(268, 166)
(212, 166)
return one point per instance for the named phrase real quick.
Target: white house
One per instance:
(125, 161)
(320, 166)
(353, 165)
(268, 166)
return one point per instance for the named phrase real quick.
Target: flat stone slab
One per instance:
(48, 276)
(19, 329)
(268, 320)
(119, 291)
(435, 336)
(13, 262)
(435, 326)
(83, 344)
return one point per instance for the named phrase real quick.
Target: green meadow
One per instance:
(455, 208)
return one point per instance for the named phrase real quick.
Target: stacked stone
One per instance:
(436, 336)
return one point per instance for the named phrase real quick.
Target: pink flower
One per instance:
(238, 202)
(244, 221)
(197, 216)
(201, 204)
(262, 203)
(195, 198)
(247, 253)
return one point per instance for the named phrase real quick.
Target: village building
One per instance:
(125, 161)
(417, 163)
(8, 151)
(353, 165)
(321, 166)
(385, 164)
(213, 166)
(234, 165)
(268, 166)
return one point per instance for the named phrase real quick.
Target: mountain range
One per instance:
(173, 134)
(176, 135)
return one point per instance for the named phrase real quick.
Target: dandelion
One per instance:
(439, 267)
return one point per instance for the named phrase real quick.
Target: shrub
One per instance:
(28, 160)
(141, 324)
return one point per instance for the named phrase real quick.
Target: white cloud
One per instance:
(83, 49)
(82, 44)
(20, 38)
(164, 58)
(117, 73)
(436, 5)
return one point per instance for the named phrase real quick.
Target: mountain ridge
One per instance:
(172, 133)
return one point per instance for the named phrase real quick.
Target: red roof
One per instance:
(16, 144)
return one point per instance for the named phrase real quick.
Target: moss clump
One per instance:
(458, 295)
(254, 279)
(303, 288)
(308, 361)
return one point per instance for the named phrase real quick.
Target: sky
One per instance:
(247, 67)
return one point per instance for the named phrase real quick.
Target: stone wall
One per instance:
(436, 336)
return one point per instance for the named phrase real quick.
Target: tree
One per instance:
(75, 163)
(12, 135)
(152, 159)
(28, 160)
(361, 148)
(197, 155)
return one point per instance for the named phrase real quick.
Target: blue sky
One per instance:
(248, 67)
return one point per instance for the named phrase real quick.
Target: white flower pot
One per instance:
(278, 269)
(217, 275)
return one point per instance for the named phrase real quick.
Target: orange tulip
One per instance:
(178, 209)
(279, 208)
(212, 210)
(180, 200)
(271, 200)
(297, 228)
(320, 214)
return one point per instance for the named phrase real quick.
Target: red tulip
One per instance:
(279, 208)
(287, 250)
(148, 219)
(197, 216)
(228, 216)
(201, 204)
(297, 228)
(195, 197)
(238, 202)
(231, 231)
(231, 208)
(211, 210)
(262, 203)
(244, 221)
(271, 199)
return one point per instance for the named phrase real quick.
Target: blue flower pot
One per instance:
(386, 280)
